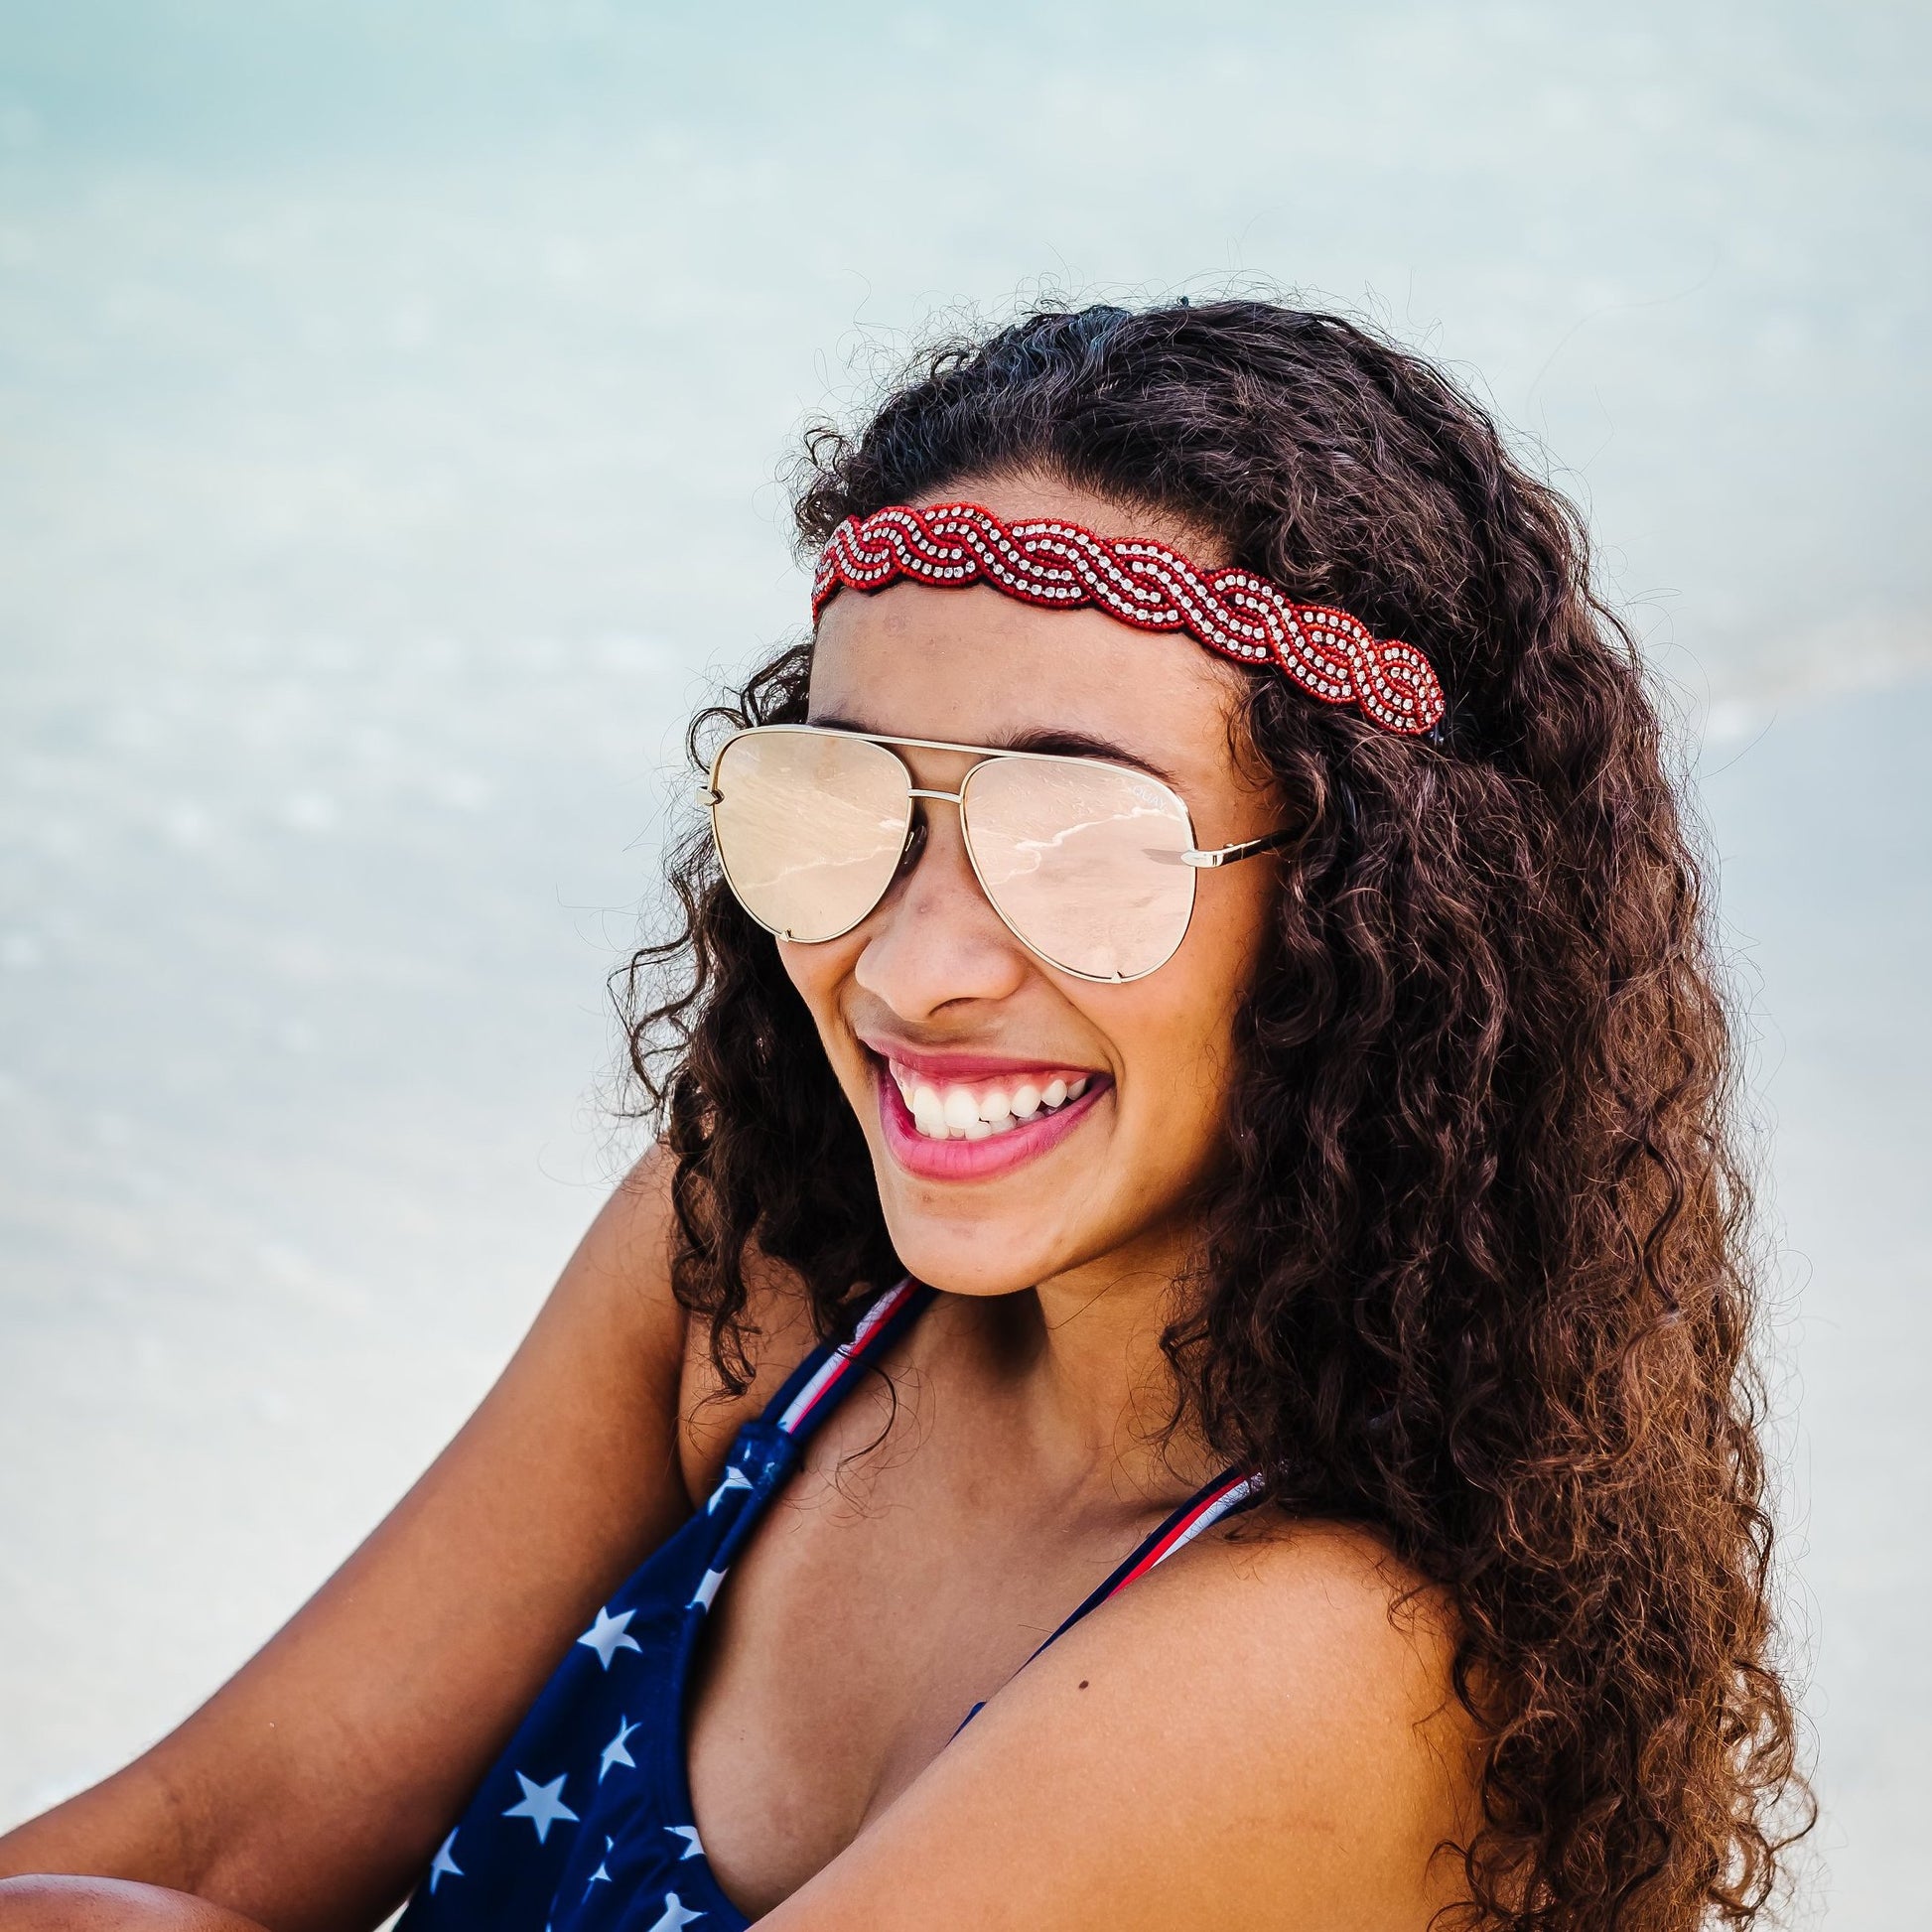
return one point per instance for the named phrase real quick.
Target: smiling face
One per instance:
(1023, 1123)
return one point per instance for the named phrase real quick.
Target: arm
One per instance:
(1254, 1735)
(310, 1789)
(108, 1906)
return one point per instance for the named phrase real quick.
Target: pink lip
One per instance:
(972, 1160)
(960, 1069)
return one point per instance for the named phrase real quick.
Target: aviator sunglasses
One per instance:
(1090, 864)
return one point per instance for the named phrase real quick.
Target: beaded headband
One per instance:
(1059, 566)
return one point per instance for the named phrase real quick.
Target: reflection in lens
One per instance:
(810, 827)
(1082, 861)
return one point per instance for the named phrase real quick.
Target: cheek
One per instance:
(1178, 1034)
(1226, 939)
(818, 973)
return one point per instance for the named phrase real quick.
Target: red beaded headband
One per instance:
(1330, 655)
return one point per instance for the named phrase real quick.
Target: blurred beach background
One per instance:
(393, 395)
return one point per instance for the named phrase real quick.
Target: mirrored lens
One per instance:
(1082, 860)
(810, 827)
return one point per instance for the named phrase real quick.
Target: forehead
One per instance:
(977, 667)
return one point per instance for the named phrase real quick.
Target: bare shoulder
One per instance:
(1318, 1612)
(632, 1247)
(1310, 1672)
(779, 1333)
(1261, 1732)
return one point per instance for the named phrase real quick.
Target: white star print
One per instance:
(615, 1752)
(603, 1871)
(608, 1634)
(676, 1916)
(543, 1805)
(734, 1478)
(444, 1866)
(689, 1832)
(702, 1600)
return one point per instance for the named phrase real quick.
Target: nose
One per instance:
(935, 940)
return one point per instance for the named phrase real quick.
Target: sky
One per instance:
(395, 406)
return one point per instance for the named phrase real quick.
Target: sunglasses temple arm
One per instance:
(1229, 855)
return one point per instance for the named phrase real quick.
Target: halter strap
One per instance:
(812, 1391)
(1229, 1491)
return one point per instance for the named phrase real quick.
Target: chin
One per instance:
(966, 1243)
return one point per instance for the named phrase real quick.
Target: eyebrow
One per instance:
(1048, 741)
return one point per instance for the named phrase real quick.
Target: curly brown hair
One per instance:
(1478, 1277)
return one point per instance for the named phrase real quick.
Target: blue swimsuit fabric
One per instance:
(584, 1823)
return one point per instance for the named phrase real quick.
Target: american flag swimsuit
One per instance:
(584, 1823)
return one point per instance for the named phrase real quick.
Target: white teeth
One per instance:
(960, 1114)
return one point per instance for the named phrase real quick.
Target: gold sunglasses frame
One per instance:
(1195, 857)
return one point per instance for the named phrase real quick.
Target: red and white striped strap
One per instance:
(1061, 566)
(1209, 1511)
(834, 1366)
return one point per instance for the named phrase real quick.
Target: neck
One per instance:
(1084, 1383)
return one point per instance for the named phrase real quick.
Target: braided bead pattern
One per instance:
(1061, 566)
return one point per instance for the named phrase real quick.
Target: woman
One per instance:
(1181, 1360)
